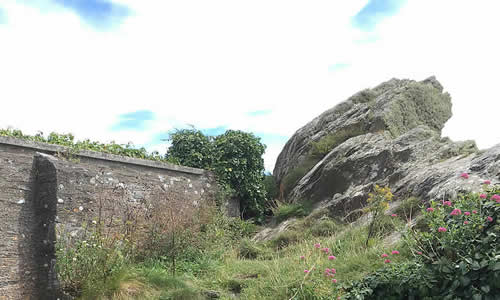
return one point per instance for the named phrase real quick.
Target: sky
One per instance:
(131, 71)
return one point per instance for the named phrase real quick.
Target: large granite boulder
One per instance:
(390, 135)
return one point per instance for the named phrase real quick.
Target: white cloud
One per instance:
(209, 63)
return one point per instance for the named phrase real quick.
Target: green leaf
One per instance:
(495, 267)
(476, 297)
(465, 280)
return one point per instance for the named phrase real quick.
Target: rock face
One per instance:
(390, 135)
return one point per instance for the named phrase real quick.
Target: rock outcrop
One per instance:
(390, 135)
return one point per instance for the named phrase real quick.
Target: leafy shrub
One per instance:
(234, 156)
(190, 147)
(285, 211)
(408, 280)
(271, 186)
(456, 257)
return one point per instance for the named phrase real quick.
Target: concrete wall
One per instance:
(45, 192)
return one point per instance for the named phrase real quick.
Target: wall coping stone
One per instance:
(6, 140)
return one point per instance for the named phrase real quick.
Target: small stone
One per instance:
(21, 201)
(61, 186)
(45, 206)
(80, 208)
(46, 265)
(92, 180)
(190, 185)
(60, 201)
(208, 185)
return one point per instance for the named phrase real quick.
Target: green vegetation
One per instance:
(68, 140)
(457, 256)
(328, 142)
(236, 159)
(378, 202)
(316, 258)
(191, 148)
(418, 104)
(284, 211)
(409, 208)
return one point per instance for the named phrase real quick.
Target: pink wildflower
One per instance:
(395, 252)
(387, 261)
(306, 271)
(430, 209)
(496, 198)
(467, 213)
(456, 212)
(490, 219)
(394, 215)
(327, 270)
(317, 245)
(334, 280)
(384, 255)
(331, 257)
(483, 196)
(419, 252)
(326, 250)
(302, 257)
(442, 229)
(448, 203)
(464, 175)
(466, 222)
(486, 182)
(333, 271)
(474, 211)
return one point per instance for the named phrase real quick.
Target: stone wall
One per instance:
(44, 190)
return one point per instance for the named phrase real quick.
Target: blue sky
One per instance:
(99, 13)
(136, 120)
(3, 17)
(375, 11)
(131, 71)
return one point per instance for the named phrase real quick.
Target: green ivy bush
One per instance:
(234, 156)
(68, 140)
